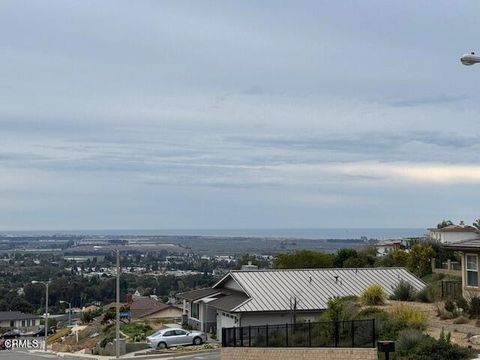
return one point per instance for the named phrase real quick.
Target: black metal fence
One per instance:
(349, 334)
(451, 289)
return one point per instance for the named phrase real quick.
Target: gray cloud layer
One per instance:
(203, 114)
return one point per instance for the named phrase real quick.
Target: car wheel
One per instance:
(161, 345)
(197, 341)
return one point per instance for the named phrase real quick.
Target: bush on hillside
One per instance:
(341, 309)
(409, 315)
(404, 291)
(373, 295)
(431, 349)
(474, 307)
(409, 338)
(462, 304)
(450, 306)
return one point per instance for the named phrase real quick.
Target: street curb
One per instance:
(70, 356)
(167, 355)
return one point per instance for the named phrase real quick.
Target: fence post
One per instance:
(249, 336)
(443, 295)
(374, 336)
(241, 336)
(224, 337)
(353, 333)
(234, 337)
(309, 333)
(335, 332)
(266, 335)
(286, 334)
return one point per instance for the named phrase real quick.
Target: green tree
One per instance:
(420, 259)
(343, 255)
(444, 223)
(476, 224)
(304, 259)
(399, 257)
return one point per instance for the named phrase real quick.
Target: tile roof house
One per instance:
(261, 297)
(454, 233)
(148, 308)
(18, 320)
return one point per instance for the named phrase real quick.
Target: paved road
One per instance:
(22, 355)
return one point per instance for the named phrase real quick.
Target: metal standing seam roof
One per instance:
(272, 290)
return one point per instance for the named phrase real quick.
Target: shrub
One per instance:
(409, 338)
(474, 308)
(423, 295)
(446, 315)
(462, 304)
(450, 306)
(409, 315)
(340, 309)
(404, 291)
(431, 349)
(137, 331)
(461, 320)
(370, 312)
(373, 295)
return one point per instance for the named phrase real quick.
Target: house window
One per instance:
(195, 310)
(472, 270)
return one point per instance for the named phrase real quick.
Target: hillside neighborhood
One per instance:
(424, 287)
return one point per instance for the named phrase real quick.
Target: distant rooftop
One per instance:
(16, 315)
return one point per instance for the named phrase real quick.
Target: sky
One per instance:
(237, 114)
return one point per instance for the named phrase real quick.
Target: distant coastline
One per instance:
(325, 233)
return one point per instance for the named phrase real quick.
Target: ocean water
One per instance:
(323, 233)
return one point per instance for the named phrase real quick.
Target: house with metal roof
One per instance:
(243, 298)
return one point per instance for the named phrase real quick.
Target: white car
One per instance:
(165, 338)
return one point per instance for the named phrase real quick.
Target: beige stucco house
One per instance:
(470, 253)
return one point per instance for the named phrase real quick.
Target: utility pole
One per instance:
(117, 325)
(46, 315)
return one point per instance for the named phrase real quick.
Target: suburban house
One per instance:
(386, 246)
(470, 253)
(243, 298)
(151, 309)
(19, 320)
(454, 233)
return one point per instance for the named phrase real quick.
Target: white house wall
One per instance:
(454, 237)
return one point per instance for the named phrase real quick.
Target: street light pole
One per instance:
(46, 310)
(46, 315)
(117, 325)
(69, 311)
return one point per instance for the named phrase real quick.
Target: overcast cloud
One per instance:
(237, 114)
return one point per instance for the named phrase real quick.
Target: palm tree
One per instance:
(477, 224)
(444, 223)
